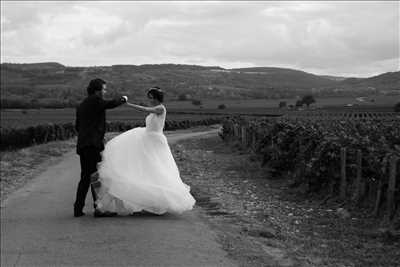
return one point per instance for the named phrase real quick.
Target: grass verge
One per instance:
(18, 167)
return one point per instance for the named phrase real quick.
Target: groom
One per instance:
(91, 126)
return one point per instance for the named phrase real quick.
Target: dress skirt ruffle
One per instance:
(139, 173)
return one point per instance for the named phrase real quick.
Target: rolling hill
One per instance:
(54, 82)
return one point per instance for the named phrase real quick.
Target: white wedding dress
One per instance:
(139, 173)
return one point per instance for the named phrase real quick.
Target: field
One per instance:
(325, 102)
(184, 110)
(25, 118)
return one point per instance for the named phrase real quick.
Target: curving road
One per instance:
(38, 229)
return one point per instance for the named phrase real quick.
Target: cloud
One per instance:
(360, 38)
(83, 28)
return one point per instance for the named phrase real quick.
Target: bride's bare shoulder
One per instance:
(160, 109)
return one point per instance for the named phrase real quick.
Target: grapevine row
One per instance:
(348, 158)
(12, 138)
(345, 115)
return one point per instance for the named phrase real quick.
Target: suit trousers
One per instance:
(89, 157)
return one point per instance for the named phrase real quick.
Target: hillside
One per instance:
(52, 82)
(384, 83)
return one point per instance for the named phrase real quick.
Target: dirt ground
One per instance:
(259, 220)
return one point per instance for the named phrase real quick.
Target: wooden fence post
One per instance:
(235, 130)
(391, 187)
(230, 132)
(254, 141)
(248, 137)
(243, 137)
(357, 188)
(246, 131)
(343, 182)
(378, 197)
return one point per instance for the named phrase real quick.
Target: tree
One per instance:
(299, 103)
(397, 107)
(282, 104)
(308, 100)
(182, 97)
(221, 106)
(196, 102)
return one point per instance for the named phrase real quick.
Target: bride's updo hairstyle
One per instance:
(156, 93)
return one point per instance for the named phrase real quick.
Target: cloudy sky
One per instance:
(336, 38)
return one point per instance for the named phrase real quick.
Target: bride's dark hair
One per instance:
(156, 93)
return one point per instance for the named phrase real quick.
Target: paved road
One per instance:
(38, 229)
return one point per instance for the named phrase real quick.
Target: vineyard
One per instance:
(354, 115)
(12, 138)
(22, 128)
(34, 117)
(351, 157)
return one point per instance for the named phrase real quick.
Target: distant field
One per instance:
(25, 118)
(327, 102)
(184, 110)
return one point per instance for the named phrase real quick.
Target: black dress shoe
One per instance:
(78, 213)
(98, 214)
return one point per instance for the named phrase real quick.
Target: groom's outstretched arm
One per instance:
(108, 104)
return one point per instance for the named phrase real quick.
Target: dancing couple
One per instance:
(135, 170)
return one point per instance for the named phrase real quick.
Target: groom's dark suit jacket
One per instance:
(91, 121)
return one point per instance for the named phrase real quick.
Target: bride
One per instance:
(138, 172)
